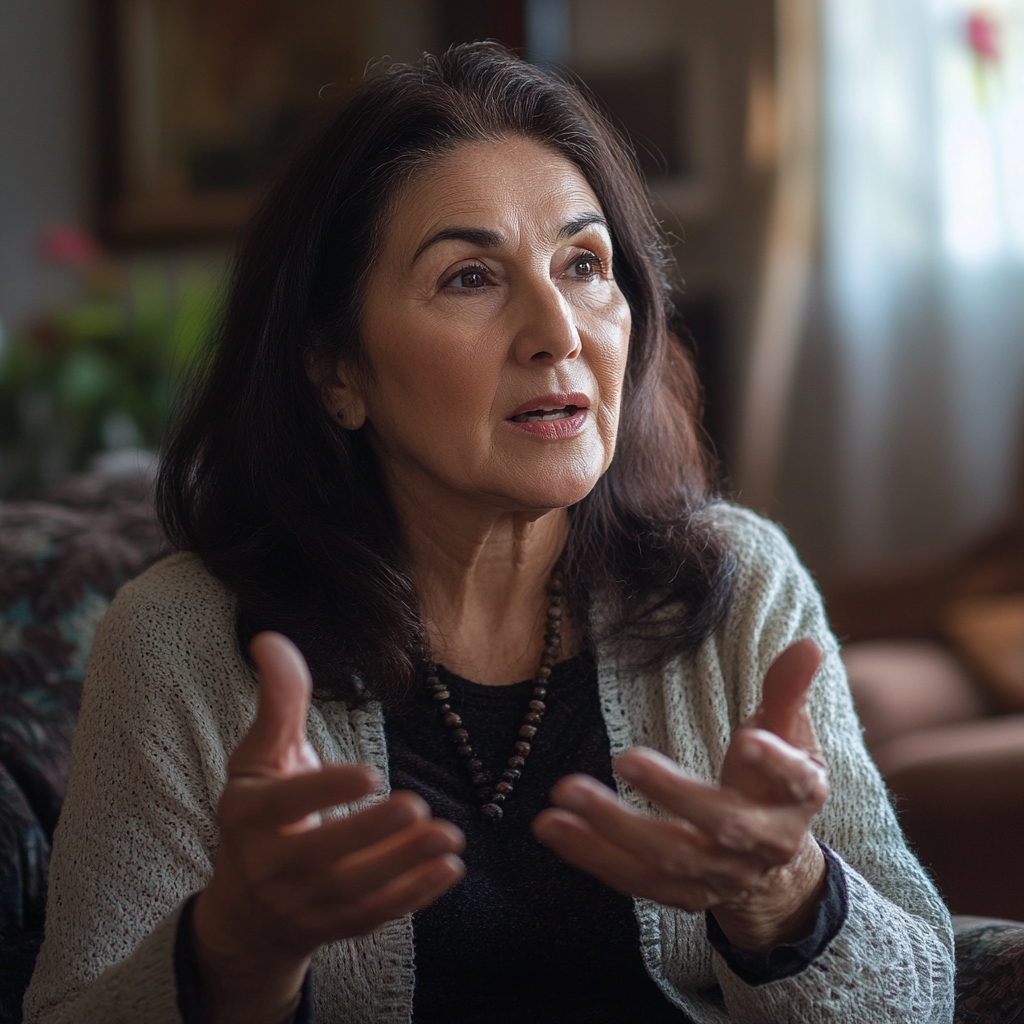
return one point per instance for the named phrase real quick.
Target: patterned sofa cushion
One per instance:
(989, 971)
(60, 566)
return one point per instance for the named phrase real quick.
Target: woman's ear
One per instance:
(341, 395)
(344, 401)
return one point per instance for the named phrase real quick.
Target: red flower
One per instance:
(68, 247)
(983, 36)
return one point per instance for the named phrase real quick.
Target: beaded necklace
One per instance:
(493, 795)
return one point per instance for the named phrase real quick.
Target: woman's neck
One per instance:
(481, 578)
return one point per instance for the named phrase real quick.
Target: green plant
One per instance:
(103, 374)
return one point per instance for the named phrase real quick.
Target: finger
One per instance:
(405, 895)
(784, 693)
(276, 742)
(576, 842)
(265, 804)
(768, 770)
(337, 839)
(671, 845)
(375, 867)
(726, 816)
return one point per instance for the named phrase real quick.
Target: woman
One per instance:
(446, 446)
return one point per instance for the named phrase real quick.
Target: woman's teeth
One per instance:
(542, 415)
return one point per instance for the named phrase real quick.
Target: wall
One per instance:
(45, 106)
(718, 220)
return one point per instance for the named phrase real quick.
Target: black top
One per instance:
(525, 936)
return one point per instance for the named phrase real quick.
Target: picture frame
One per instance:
(201, 99)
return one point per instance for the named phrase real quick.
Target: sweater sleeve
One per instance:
(137, 833)
(892, 959)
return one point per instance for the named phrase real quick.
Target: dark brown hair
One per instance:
(288, 509)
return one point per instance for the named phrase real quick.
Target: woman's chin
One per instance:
(540, 495)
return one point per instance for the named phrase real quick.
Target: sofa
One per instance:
(935, 656)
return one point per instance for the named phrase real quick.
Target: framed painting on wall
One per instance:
(200, 100)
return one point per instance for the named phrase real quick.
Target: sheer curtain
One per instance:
(923, 262)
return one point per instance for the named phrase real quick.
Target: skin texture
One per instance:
(494, 288)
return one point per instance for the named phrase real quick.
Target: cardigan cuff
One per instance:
(189, 979)
(789, 958)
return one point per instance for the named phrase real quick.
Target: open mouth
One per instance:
(563, 412)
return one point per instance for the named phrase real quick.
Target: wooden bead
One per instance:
(540, 691)
(503, 787)
(498, 798)
(479, 780)
(521, 748)
(516, 761)
(544, 671)
(465, 750)
(492, 812)
(533, 717)
(528, 731)
(441, 695)
(511, 774)
(451, 719)
(460, 736)
(537, 705)
(474, 765)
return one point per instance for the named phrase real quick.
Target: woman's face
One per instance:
(496, 334)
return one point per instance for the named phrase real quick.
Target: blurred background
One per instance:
(842, 182)
(842, 185)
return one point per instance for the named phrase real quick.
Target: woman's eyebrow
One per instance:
(578, 224)
(480, 237)
(483, 238)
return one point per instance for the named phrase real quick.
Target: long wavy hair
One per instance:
(289, 510)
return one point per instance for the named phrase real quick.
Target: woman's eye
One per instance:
(470, 278)
(586, 266)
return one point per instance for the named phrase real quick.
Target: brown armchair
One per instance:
(935, 655)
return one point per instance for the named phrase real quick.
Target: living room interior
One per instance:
(842, 187)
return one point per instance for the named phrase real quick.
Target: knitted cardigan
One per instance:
(168, 696)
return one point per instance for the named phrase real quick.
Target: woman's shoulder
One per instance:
(756, 541)
(169, 628)
(178, 598)
(774, 597)
(179, 584)
(764, 557)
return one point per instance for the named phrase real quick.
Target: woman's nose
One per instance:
(546, 330)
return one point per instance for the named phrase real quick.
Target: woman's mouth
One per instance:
(563, 412)
(553, 417)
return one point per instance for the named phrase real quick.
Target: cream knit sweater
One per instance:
(168, 696)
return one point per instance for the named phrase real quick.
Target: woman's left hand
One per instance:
(741, 849)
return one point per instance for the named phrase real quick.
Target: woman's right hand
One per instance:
(284, 882)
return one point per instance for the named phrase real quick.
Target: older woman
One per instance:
(565, 756)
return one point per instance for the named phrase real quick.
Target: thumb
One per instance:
(275, 744)
(783, 707)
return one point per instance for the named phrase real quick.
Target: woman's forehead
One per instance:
(509, 187)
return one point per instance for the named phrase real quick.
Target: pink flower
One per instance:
(68, 247)
(983, 36)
